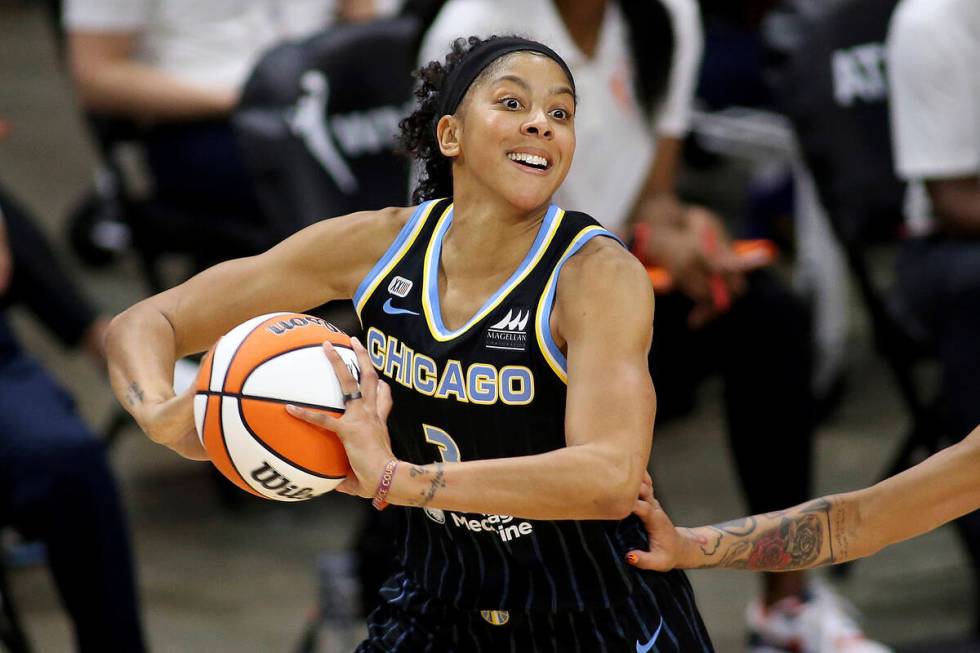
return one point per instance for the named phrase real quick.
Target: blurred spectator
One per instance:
(176, 69)
(635, 64)
(933, 49)
(780, 204)
(55, 481)
(731, 73)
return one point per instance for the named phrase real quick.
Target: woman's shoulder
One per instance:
(603, 286)
(392, 219)
(603, 258)
(379, 225)
(346, 247)
(601, 271)
(356, 238)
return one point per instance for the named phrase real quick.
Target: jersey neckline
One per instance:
(430, 273)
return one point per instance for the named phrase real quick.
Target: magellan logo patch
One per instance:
(510, 332)
(399, 287)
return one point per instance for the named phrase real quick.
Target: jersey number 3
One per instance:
(449, 452)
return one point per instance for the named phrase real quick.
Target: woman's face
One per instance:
(516, 132)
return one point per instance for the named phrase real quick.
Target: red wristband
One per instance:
(384, 485)
(640, 240)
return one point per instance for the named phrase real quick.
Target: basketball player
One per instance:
(827, 530)
(512, 336)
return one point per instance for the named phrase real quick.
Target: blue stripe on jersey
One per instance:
(598, 632)
(595, 565)
(505, 568)
(620, 566)
(394, 253)
(430, 274)
(631, 601)
(656, 604)
(572, 576)
(574, 631)
(546, 343)
(547, 574)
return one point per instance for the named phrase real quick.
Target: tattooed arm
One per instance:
(825, 531)
(808, 535)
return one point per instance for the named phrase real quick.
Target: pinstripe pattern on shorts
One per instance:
(660, 612)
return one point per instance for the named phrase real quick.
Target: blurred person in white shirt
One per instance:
(176, 69)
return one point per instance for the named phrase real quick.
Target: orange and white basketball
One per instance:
(242, 389)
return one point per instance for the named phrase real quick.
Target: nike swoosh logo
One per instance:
(392, 310)
(644, 648)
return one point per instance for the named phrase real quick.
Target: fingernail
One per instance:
(632, 558)
(291, 408)
(355, 341)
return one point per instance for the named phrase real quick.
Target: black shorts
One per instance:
(660, 617)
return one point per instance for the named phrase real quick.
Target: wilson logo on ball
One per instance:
(282, 326)
(273, 481)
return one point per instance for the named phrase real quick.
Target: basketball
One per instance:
(242, 388)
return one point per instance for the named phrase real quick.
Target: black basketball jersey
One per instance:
(493, 388)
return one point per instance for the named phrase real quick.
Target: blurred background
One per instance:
(218, 570)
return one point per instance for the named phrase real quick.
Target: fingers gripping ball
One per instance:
(242, 390)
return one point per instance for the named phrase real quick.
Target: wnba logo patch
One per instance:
(399, 287)
(495, 617)
(510, 332)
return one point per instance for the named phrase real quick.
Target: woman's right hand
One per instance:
(170, 422)
(666, 541)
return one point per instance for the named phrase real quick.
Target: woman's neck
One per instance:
(583, 20)
(488, 236)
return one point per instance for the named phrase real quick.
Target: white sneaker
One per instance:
(823, 623)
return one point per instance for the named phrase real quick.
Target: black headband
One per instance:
(482, 55)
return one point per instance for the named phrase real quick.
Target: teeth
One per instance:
(531, 159)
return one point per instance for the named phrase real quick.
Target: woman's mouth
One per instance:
(532, 161)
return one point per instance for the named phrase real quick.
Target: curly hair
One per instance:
(418, 131)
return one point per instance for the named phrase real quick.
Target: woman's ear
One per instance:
(447, 135)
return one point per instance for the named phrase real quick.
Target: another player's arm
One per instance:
(828, 530)
(323, 262)
(604, 312)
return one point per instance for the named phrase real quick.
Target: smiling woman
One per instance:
(516, 421)
(499, 101)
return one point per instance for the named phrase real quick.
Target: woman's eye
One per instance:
(559, 114)
(511, 103)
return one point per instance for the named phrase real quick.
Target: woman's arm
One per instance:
(323, 262)
(604, 312)
(110, 80)
(828, 530)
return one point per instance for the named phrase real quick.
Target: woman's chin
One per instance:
(528, 198)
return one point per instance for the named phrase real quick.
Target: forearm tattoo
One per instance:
(134, 394)
(805, 536)
(436, 481)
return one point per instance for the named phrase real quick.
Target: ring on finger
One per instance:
(352, 396)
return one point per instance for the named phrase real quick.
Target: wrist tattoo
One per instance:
(437, 481)
(710, 545)
(134, 394)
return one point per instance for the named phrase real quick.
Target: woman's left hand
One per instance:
(362, 428)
